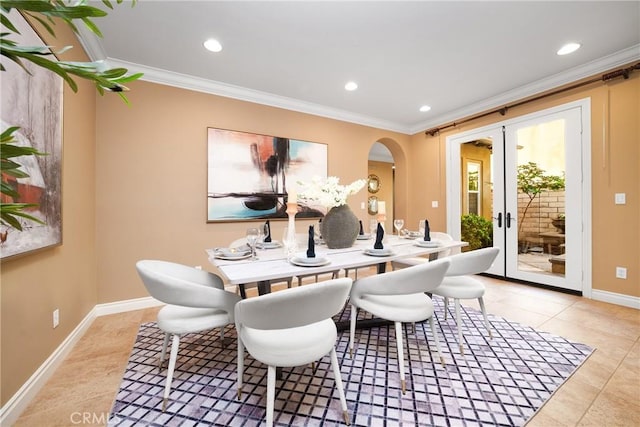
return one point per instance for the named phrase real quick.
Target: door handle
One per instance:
(499, 218)
(508, 219)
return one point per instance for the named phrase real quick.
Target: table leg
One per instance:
(264, 287)
(243, 292)
(382, 267)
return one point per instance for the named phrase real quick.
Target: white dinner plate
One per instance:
(364, 236)
(413, 234)
(268, 245)
(378, 252)
(309, 262)
(430, 244)
(236, 252)
(233, 257)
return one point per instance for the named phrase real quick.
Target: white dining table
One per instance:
(273, 264)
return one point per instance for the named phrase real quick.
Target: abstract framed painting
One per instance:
(250, 175)
(33, 102)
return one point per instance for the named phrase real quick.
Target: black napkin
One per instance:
(427, 237)
(361, 229)
(311, 246)
(267, 232)
(379, 236)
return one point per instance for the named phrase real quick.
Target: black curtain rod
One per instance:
(622, 72)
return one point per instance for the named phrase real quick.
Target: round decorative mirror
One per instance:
(372, 205)
(373, 183)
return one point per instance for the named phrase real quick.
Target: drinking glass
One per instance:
(398, 224)
(421, 227)
(373, 226)
(253, 234)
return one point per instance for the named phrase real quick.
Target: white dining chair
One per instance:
(292, 327)
(196, 301)
(399, 296)
(435, 235)
(459, 283)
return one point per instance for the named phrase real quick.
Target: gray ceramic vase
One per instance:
(340, 227)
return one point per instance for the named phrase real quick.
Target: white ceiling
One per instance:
(458, 57)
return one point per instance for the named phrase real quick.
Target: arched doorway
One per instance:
(386, 181)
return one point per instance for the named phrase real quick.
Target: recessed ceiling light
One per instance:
(425, 108)
(351, 86)
(213, 45)
(568, 48)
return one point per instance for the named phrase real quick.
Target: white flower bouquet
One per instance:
(329, 192)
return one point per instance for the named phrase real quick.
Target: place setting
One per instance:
(310, 258)
(378, 246)
(362, 235)
(268, 242)
(426, 241)
(231, 254)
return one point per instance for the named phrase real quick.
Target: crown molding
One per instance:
(91, 44)
(183, 81)
(589, 69)
(94, 48)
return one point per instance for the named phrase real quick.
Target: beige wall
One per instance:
(63, 277)
(615, 165)
(151, 175)
(481, 155)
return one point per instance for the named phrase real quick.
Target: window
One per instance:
(473, 188)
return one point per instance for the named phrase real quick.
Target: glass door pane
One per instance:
(536, 153)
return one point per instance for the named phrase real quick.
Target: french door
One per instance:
(528, 182)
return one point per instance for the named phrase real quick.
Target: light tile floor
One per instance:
(605, 391)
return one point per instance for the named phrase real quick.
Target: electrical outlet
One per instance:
(621, 272)
(56, 318)
(199, 267)
(434, 203)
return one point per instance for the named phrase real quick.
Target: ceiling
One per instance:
(460, 58)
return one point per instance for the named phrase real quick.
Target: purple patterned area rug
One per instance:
(501, 381)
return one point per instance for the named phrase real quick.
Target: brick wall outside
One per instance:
(545, 207)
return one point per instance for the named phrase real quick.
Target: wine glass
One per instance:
(398, 224)
(252, 238)
(421, 227)
(373, 226)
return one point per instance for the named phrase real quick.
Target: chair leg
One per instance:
(446, 307)
(436, 339)
(163, 352)
(243, 292)
(458, 323)
(222, 336)
(400, 356)
(240, 365)
(172, 365)
(271, 393)
(338, 378)
(484, 313)
(289, 280)
(352, 329)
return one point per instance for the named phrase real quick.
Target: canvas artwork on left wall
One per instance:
(34, 103)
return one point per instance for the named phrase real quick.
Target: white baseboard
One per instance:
(127, 305)
(10, 412)
(618, 299)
